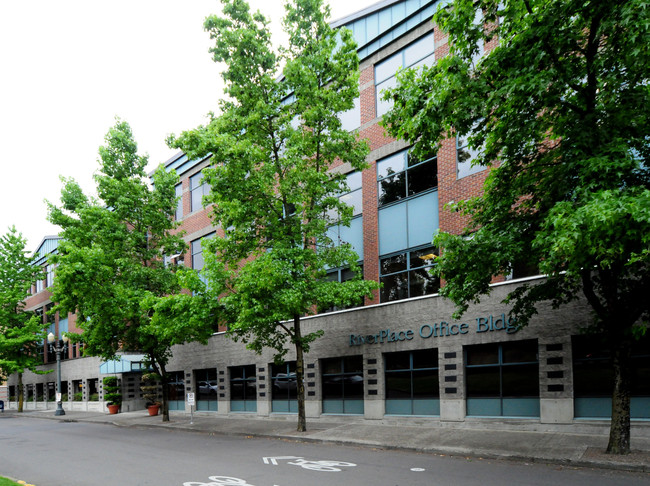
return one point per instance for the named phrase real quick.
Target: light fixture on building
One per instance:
(57, 345)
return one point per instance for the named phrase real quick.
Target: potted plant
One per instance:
(112, 394)
(150, 389)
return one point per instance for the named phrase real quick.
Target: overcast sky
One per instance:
(69, 67)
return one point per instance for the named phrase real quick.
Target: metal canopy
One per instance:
(125, 364)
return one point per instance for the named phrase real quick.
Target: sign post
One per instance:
(191, 402)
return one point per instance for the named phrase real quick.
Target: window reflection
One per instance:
(401, 175)
(407, 274)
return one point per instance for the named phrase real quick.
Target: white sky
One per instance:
(69, 67)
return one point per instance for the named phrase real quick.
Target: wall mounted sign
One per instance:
(440, 329)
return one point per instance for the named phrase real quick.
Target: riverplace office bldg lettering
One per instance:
(442, 329)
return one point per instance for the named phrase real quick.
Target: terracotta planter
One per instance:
(153, 410)
(113, 409)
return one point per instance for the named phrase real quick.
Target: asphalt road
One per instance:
(52, 453)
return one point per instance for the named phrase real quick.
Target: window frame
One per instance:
(198, 189)
(400, 60)
(409, 167)
(178, 189)
(501, 400)
(409, 255)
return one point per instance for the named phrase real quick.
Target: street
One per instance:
(53, 453)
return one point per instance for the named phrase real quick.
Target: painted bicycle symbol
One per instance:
(323, 466)
(220, 481)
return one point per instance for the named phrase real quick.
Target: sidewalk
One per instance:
(583, 447)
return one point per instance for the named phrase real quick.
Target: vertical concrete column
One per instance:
(313, 387)
(224, 389)
(190, 385)
(373, 376)
(555, 380)
(187, 388)
(453, 407)
(264, 390)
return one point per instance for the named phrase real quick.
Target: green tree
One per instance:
(273, 145)
(23, 332)
(562, 103)
(111, 269)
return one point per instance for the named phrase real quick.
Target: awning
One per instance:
(125, 364)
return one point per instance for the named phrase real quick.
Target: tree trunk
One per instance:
(21, 396)
(619, 432)
(165, 394)
(300, 373)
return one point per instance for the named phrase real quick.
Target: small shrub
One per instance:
(112, 392)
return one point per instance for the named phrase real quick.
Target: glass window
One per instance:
(415, 55)
(198, 189)
(412, 375)
(179, 204)
(400, 176)
(351, 119)
(283, 381)
(502, 371)
(176, 388)
(352, 234)
(342, 378)
(465, 155)
(207, 389)
(243, 383)
(407, 274)
(342, 275)
(197, 252)
(353, 197)
(480, 45)
(593, 375)
(49, 276)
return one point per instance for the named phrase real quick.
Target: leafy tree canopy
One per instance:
(111, 269)
(558, 109)
(273, 144)
(272, 191)
(22, 331)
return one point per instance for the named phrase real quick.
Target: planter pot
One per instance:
(113, 409)
(153, 410)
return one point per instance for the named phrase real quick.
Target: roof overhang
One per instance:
(126, 363)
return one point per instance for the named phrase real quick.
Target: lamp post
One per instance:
(57, 345)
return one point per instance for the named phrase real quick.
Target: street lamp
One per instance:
(57, 346)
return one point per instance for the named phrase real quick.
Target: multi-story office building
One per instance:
(400, 354)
